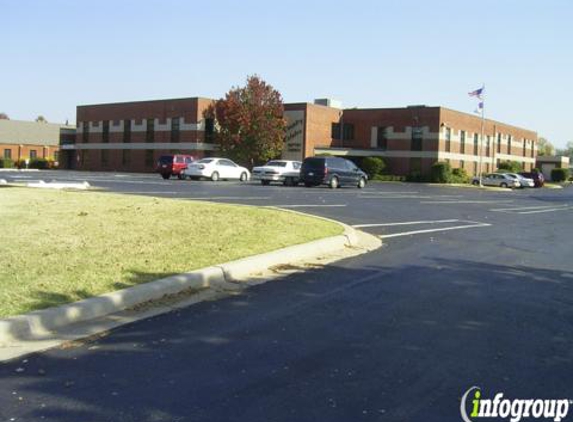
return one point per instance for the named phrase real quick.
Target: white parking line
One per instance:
(410, 233)
(446, 202)
(230, 198)
(538, 207)
(310, 205)
(406, 223)
(545, 210)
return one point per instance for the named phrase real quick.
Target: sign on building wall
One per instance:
(294, 139)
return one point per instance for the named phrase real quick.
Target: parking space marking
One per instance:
(546, 210)
(230, 198)
(468, 201)
(310, 205)
(404, 223)
(538, 207)
(474, 225)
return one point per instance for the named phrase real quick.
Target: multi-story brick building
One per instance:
(23, 140)
(131, 136)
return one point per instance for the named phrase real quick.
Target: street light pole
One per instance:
(481, 140)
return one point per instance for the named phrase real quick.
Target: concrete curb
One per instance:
(40, 325)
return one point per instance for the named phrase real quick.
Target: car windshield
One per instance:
(513, 176)
(314, 163)
(166, 159)
(205, 161)
(276, 164)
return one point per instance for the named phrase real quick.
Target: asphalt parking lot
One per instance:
(470, 288)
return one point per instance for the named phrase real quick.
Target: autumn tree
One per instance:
(250, 127)
(4, 116)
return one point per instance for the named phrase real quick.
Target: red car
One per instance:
(173, 165)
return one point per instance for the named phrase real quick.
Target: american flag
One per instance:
(477, 93)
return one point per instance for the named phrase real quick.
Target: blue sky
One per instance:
(58, 54)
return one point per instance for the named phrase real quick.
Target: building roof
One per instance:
(31, 133)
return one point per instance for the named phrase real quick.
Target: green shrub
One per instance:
(389, 178)
(372, 166)
(39, 163)
(509, 167)
(6, 163)
(459, 175)
(441, 172)
(559, 175)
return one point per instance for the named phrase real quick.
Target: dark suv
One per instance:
(173, 165)
(331, 171)
(538, 178)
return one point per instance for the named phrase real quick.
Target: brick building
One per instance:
(22, 140)
(131, 136)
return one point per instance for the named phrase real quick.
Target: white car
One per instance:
(285, 171)
(525, 182)
(501, 180)
(216, 169)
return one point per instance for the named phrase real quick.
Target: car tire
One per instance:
(181, 176)
(361, 183)
(265, 182)
(243, 177)
(503, 185)
(215, 176)
(308, 185)
(165, 176)
(288, 181)
(333, 184)
(475, 182)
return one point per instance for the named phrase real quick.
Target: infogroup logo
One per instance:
(513, 409)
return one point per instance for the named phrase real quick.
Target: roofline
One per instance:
(61, 125)
(146, 101)
(489, 120)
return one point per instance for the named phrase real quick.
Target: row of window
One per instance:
(150, 130)
(508, 150)
(125, 157)
(33, 154)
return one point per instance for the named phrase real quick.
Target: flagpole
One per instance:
(481, 139)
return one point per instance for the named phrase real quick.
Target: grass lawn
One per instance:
(59, 247)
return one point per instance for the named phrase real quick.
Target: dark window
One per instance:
(86, 132)
(532, 149)
(33, 154)
(487, 148)
(8, 153)
(508, 144)
(56, 156)
(417, 136)
(209, 129)
(175, 129)
(105, 131)
(148, 157)
(335, 131)
(448, 139)
(499, 143)
(127, 131)
(382, 138)
(476, 144)
(150, 132)
(125, 157)
(462, 164)
(524, 148)
(463, 142)
(348, 132)
(104, 157)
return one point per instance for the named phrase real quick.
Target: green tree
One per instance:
(372, 166)
(441, 172)
(250, 125)
(567, 151)
(509, 167)
(41, 119)
(544, 147)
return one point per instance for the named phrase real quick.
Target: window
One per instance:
(476, 144)
(463, 142)
(150, 132)
(86, 132)
(448, 139)
(335, 130)
(127, 131)
(209, 129)
(475, 168)
(348, 132)
(487, 147)
(508, 144)
(382, 138)
(532, 149)
(125, 157)
(104, 157)
(149, 155)
(524, 147)
(33, 154)
(462, 164)
(499, 143)
(105, 132)
(8, 153)
(56, 156)
(175, 129)
(417, 136)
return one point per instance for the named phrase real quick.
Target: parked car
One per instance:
(216, 169)
(501, 180)
(173, 165)
(285, 171)
(331, 171)
(538, 178)
(524, 182)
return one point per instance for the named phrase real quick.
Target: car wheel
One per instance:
(243, 177)
(333, 184)
(475, 182)
(265, 182)
(503, 185)
(165, 176)
(181, 176)
(361, 183)
(215, 176)
(308, 185)
(288, 181)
